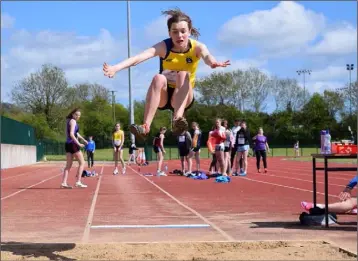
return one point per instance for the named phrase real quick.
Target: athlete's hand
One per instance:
(86, 142)
(82, 145)
(109, 70)
(220, 64)
(344, 195)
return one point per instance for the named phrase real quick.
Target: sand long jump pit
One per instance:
(264, 250)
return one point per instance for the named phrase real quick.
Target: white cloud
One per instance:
(81, 57)
(321, 86)
(285, 28)
(157, 29)
(338, 40)
(242, 64)
(329, 73)
(7, 21)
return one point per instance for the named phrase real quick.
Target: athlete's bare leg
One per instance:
(183, 94)
(182, 98)
(156, 97)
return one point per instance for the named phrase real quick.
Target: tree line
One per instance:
(44, 98)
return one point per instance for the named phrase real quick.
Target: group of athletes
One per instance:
(171, 89)
(224, 144)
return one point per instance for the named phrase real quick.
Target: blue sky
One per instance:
(277, 37)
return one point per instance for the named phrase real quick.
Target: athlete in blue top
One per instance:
(90, 148)
(72, 148)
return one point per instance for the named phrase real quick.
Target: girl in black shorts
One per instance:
(196, 144)
(228, 144)
(158, 147)
(184, 146)
(72, 148)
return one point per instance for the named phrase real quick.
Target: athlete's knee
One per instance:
(183, 75)
(159, 81)
(81, 162)
(351, 203)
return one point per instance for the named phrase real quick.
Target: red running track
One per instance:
(35, 209)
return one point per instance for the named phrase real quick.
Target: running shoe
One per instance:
(161, 173)
(65, 186)
(306, 205)
(139, 131)
(79, 184)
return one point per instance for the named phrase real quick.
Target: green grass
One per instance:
(172, 153)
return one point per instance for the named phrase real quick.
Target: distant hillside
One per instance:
(9, 108)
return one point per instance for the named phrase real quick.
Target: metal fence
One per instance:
(17, 133)
(173, 153)
(58, 148)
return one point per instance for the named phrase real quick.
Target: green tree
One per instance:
(42, 92)
(334, 101)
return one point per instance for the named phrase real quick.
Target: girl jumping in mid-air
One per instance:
(118, 142)
(172, 88)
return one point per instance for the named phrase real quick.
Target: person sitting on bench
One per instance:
(347, 205)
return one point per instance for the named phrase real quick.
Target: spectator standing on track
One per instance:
(234, 130)
(196, 144)
(219, 137)
(243, 141)
(158, 147)
(211, 147)
(118, 143)
(228, 144)
(131, 152)
(90, 148)
(184, 145)
(296, 149)
(261, 149)
(73, 148)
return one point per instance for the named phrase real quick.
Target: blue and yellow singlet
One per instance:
(174, 62)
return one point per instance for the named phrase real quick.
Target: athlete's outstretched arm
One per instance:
(158, 49)
(209, 59)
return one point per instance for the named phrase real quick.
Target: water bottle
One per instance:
(327, 143)
(166, 168)
(323, 134)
